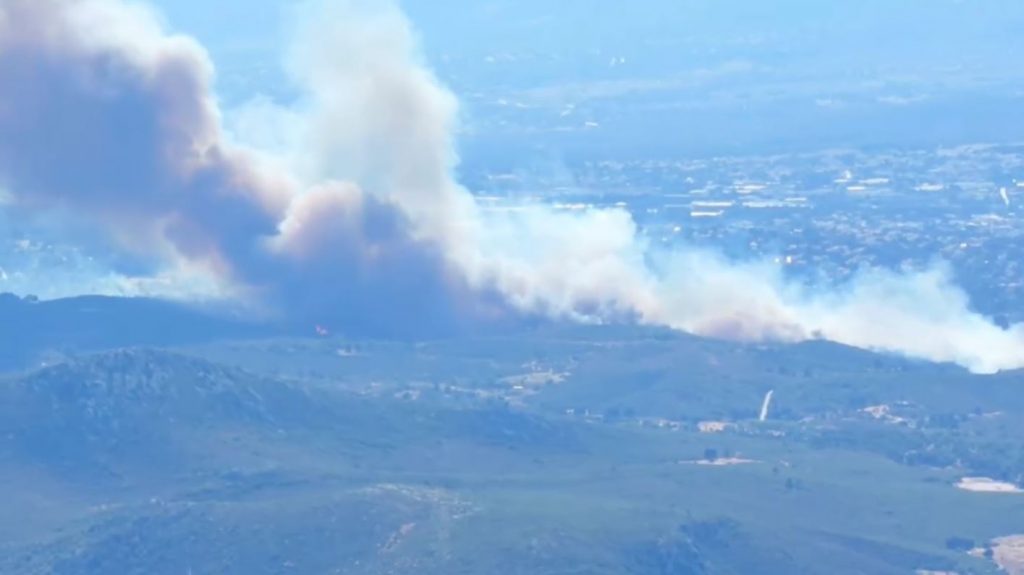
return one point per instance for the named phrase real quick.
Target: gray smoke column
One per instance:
(104, 116)
(352, 216)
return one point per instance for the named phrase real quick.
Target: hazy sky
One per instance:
(768, 74)
(863, 35)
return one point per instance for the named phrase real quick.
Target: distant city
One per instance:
(821, 215)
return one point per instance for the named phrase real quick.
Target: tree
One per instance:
(612, 414)
(959, 544)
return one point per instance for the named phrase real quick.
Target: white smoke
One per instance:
(368, 225)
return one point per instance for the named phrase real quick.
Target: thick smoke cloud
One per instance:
(353, 215)
(104, 115)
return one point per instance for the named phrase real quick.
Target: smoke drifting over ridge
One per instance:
(355, 218)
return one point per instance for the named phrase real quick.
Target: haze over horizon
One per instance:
(337, 200)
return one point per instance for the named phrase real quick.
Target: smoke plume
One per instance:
(354, 217)
(105, 116)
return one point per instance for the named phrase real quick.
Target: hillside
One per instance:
(34, 332)
(345, 456)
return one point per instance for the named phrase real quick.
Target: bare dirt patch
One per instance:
(721, 462)
(987, 485)
(1008, 553)
(714, 426)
